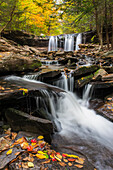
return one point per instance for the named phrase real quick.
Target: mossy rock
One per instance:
(85, 70)
(83, 81)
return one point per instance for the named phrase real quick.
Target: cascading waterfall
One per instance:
(79, 122)
(78, 41)
(66, 82)
(69, 42)
(86, 94)
(53, 45)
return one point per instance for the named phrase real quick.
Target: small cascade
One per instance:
(53, 46)
(31, 77)
(78, 41)
(66, 82)
(87, 94)
(49, 62)
(69, 43)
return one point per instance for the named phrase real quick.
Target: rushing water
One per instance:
(53, 45)
(69, 43)
(83, 127)
(78, 41)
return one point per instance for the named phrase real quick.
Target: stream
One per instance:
(80, 128)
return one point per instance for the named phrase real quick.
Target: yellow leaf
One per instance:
(30, 165)
(58, 159)
(40, 137)
(9, 152)
(40, 156)
(74, 156)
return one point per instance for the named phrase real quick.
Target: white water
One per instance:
(78, 41)
(66, 82)
(77, 120)
(86, 95)
(69, 42)
(83, 122)
(53, 45)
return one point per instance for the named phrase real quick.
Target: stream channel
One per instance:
(80, 129)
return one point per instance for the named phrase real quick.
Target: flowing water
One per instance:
(69, 42)
(78, 41)
(82, 127)
(53, 44)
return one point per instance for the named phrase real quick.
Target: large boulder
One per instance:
(83, 81)
(12, 63)
(99, 73)
(83, 71)
(20, 121)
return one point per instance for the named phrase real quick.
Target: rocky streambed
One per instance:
(30, 102)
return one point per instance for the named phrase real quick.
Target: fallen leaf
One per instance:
(33, 141)
(78, 166)
(74, 156)
(25, 165)
(62, 164)
(41, 156)
(17, 153)
(9, 152)
(40, 137)
(59, 156)
(70, 164)
(13, 135)
(71, 159)
(46, 162)
(29, 148)
(24, 145)
(80, 160)
(58, 159)
(65, 160)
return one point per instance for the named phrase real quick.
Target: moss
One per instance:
(36, 65)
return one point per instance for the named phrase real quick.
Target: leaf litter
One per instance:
(37, 148)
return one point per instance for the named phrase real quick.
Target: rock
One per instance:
(108, 77)
(99, 73)
(49, 75)
(85, 70)
(109, 69)
(20, 121)
(83, 81)
(109, 54)
(15, 63)
(34, 50)
(24, 38)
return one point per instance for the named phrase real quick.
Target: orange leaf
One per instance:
(62, 164)
(70, 164)
(79, 166)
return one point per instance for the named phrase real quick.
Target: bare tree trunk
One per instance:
(11, 17)
(106, 26)
(112, 27)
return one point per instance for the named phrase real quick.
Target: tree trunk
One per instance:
(11, 17)
(106, 26)
(112, 35)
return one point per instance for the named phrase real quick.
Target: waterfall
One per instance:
(66, 82)
(52, 44)
(86, 94)
(69, 43)
(78, 41)
(79, 124)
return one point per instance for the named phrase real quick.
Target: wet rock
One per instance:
(109, 69)
(20, 121)
(99, 73)
(95, 103)
(108, 77)
(82, 71)
(49, 75)
(109, 54)
(83, 81)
